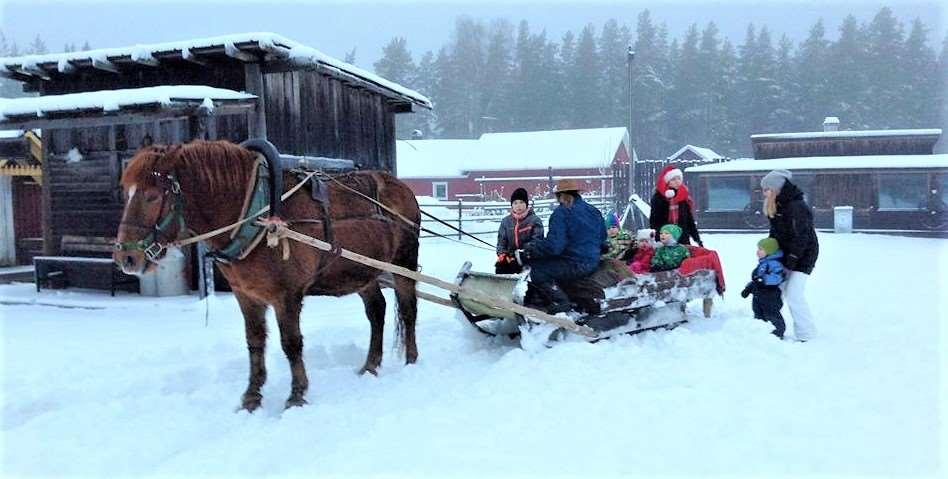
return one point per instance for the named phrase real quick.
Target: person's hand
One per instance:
(604, 248)
(701, 243)
(747, 290)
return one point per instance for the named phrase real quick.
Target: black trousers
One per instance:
(767, 304)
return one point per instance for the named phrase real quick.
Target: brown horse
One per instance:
(206, 182)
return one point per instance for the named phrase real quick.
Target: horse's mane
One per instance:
(214, 167)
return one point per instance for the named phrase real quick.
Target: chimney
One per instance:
(831, 123)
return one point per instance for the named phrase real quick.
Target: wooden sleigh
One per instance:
(609, 302)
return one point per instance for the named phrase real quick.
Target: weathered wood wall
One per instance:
(311, 114)
(916, 145)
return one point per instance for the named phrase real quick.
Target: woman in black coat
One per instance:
(671, 204)
(791, 224)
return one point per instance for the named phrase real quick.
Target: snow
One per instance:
(846, 134)
(7, 134)
(112, 100)
(272, 42)
(136, 386)
(827, 163)
(532, 150)
(73, 155)
(706, 154)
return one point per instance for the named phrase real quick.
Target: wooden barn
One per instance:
(95, 109)
(20, 196)
(891, 178)
(496, 164)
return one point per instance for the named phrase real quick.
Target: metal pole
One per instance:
(632, 179)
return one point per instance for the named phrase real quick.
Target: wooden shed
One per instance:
(891, 178)
(97, 107)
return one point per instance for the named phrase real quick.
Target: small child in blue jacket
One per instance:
(765, 285)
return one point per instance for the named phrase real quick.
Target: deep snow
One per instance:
(139, 386)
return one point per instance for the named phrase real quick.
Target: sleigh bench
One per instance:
(82, 271)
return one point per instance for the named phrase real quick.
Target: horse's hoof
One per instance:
(295, 402)
(251, 402)
(370, 370)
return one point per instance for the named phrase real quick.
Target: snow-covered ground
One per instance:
(137, 386)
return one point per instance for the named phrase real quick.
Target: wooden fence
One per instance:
(474, 216)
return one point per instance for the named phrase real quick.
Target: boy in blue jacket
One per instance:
(765, 285)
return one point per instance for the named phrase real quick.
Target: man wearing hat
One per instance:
(571, 249)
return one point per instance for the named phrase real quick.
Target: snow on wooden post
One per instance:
(460, 210)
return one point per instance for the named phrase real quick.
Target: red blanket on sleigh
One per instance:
(702, 258)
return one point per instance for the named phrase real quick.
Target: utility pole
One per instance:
(632, 180)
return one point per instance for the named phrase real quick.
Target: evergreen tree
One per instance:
(37, 47)
(918, 70)
(810, 89)
(884, 42)
(686, 106)
(649, 86)
(848, 77)
(397, 65)
(498, 78)
(425, 82)
(85, 46)
(584, 83)
(613, 45)
(351, 56)
(783, 116)
(525, 97)
(725, 137)
(942, 96)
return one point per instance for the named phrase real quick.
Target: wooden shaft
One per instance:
(423, 278)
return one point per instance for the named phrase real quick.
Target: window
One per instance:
(439, 190)
(729, 193)
(902, 191)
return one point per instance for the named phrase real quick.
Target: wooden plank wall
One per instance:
(311, 114)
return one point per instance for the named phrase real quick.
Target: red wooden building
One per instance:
(494, 165)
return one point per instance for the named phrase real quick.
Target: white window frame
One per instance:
(434, 189)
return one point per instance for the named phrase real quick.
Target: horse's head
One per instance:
(153, 213)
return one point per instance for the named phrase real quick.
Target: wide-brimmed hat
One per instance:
(566, 185)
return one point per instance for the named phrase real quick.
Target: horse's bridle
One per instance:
(152, 246)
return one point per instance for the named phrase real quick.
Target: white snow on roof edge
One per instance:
(112, 100)
(267, 40)
(826, 163)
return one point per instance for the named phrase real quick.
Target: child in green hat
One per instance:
(670, 255)
(765, 285)
(617, 238)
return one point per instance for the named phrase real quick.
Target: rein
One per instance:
(152, 247)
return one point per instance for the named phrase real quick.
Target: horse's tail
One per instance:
(403, 201)
(275, 167)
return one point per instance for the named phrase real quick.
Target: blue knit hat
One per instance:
(612, 220)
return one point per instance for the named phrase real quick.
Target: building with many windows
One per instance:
(891, 178)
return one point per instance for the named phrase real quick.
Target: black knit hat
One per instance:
(520, 194)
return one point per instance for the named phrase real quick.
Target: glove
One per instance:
(747, 290)
(791, 261)
(701, 244)
(502, 258)
(604, 248)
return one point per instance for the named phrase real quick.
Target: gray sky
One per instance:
(336, 27)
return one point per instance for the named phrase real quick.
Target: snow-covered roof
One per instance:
(114, 100)
(7, 134)
(531, 150)
(705, 153)
(827, 163)
(846, 134)
(433, 158)
(242, 46)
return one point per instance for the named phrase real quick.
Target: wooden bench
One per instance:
(81, 271)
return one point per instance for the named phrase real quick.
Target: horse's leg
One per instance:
(375, 311)
(288, 318)
(255, 328)
(407, 298)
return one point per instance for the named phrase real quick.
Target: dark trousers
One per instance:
(767, 304)
(545, 273)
